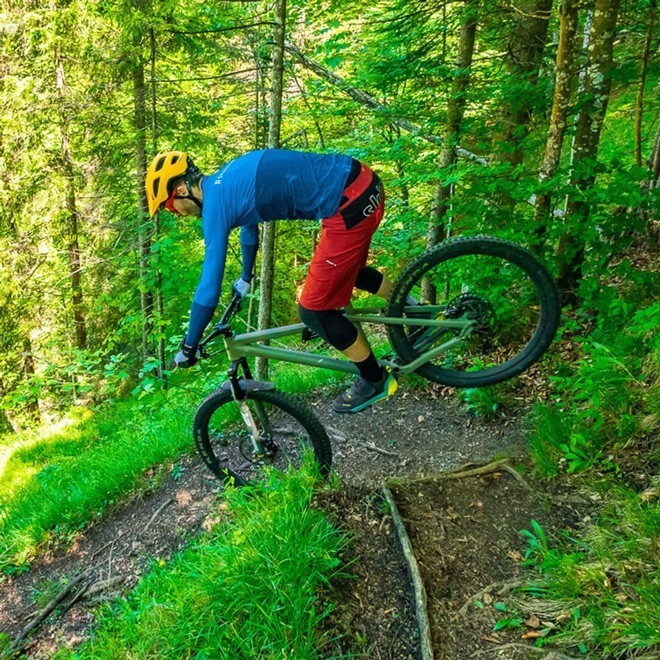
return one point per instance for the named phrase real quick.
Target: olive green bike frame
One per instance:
(251, 344)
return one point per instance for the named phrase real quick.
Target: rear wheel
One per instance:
(502, 295)
(286, 428)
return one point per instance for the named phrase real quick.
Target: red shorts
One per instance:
(344, 244)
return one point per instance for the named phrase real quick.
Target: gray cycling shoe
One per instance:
(363, 394)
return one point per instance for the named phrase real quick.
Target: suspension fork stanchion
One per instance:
(258, 405)
(260, 433)
(243, 407)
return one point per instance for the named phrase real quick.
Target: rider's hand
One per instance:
(186, 357)
(240, 287)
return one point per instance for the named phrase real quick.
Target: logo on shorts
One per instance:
(374, 201)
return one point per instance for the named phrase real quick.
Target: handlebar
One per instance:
(222, 327)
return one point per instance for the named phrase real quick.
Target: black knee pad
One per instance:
(369, 279)
(330, 324)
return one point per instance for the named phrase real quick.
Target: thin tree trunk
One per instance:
(144, 227)
(523, 60)
(71, 210)
(28, 373)
(274, 130)
(525, 50)
(587, 137)
(568, 21)
(158, 276)
(643, 68)
(448, 155)
(654, 163)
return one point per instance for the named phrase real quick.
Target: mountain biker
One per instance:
(261, 186)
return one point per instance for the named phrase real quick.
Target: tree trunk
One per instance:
(274, 126)
(568, 21)
(71, 210)
(448, 155)
(654, 162)
(158, 276)
(525, 50)
(144, 227)
(643, 68)
(585, 147)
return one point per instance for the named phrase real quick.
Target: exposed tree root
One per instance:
(496, 466)
(418, 585)
(372, 447)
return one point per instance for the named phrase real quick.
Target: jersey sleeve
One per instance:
(249, 247)
(208, 290)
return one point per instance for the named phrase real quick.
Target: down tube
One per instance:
(297, 357)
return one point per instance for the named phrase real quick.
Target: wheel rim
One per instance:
(503, 299)
(286, 442)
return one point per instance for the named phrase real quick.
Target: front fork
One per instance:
(260, 429)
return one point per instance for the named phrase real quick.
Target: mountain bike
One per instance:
(469, 312)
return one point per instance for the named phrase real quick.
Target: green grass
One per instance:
(600, 593)
(247, 589)
(58, 479)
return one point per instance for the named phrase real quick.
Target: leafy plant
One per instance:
(483, 401)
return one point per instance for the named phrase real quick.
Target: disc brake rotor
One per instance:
(475, 308)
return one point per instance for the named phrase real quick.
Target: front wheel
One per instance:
(499, 304)
(238, 440)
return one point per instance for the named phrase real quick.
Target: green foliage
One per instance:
(484, 402)
(248, 588)
(609, 400)
(599, 587)
(600, 592)
(55, 482)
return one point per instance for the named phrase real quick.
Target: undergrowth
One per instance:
(246, 589)
(598, 591)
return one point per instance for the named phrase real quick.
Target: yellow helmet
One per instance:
(165, 171)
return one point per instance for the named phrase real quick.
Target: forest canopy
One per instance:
(536, 121)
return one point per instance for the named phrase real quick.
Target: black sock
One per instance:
(370, 370)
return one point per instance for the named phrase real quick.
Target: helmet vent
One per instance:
(155, 186)
(159, 164)
(175, 159)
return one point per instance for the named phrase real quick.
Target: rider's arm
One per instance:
(249, 246)
(208, 290)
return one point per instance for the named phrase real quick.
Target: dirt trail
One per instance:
(412, 435)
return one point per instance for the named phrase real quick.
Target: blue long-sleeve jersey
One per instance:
(257, 187)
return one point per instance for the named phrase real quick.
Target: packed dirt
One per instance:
(465, 533)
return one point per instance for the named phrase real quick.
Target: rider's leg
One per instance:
(339, 256)
(373, 281)
(345, 336)
(375, 383)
